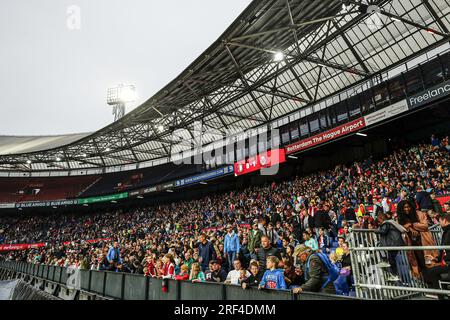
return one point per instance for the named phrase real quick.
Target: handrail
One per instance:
(405, 248)
(113, 285)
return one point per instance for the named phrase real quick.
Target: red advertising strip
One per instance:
(260, 161)
(26, 246)
(326, 136)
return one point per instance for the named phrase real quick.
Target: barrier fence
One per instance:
(138, 287)
(373, 275)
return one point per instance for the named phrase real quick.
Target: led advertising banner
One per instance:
(111, 197)
(263, 160)
(205, 176)
(39, 204)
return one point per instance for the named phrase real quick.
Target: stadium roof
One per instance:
(328, 45)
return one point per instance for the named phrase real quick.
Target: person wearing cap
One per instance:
(231, 245)
(314, 272)
(254, 239)
(215, 272)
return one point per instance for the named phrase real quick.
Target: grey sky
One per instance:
(53, 80)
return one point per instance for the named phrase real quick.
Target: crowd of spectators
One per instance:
(288, 235)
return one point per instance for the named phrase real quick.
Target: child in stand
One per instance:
(184, 273)
(197, 274)
(273, 278)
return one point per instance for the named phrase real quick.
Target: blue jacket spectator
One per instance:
(113, 255)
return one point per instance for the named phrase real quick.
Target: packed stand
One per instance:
(292, 235)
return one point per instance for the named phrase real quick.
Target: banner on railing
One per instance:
(27, 246)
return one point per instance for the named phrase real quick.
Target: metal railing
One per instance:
(372, 272)
(127, 286)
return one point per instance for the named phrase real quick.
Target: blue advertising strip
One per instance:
(205, 176)
(435, 93)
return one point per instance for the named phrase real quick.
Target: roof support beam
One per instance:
(352, 49)
(250, 92)
(435, 16)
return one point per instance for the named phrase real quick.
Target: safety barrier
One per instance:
(371, 270)
(127, 286)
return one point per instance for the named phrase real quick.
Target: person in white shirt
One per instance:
(234, 275)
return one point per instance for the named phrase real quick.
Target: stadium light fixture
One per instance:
(278, 56)
(203, 182)
(292, 157)
(107, 149)
(170, 191)
(161, 128)
(361, 134)
(113, 201)
(85, 205)
(28, 161)
(395, 19)
(140, 197)
(58, 159)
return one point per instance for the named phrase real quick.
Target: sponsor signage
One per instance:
(386, 113)
(430, 95)
(26, 246)
(7, 205)
(39, 204)
(260, 161)
(23, 246)
(165, 186)
(111, 197)
(205, 176)
(326, 136)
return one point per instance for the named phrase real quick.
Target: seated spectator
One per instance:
(310, 242)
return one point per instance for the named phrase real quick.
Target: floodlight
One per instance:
(278, 56)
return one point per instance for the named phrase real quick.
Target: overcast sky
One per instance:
(54, 72)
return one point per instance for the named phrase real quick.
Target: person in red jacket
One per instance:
(168, 268)
(184, 273)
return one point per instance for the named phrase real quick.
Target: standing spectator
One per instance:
(272, 234)
(423, 199)
(322, 218)
(266, 250)
(433, 275)
(273, 278)
(318, 271)
(114, 256)
(234, 275)
(205, 252)
(255, 276)
(323, 241)
(215, 272)
(391, 234)
(416, 225)
(197, 274)
(231, 245)
(254, 239)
